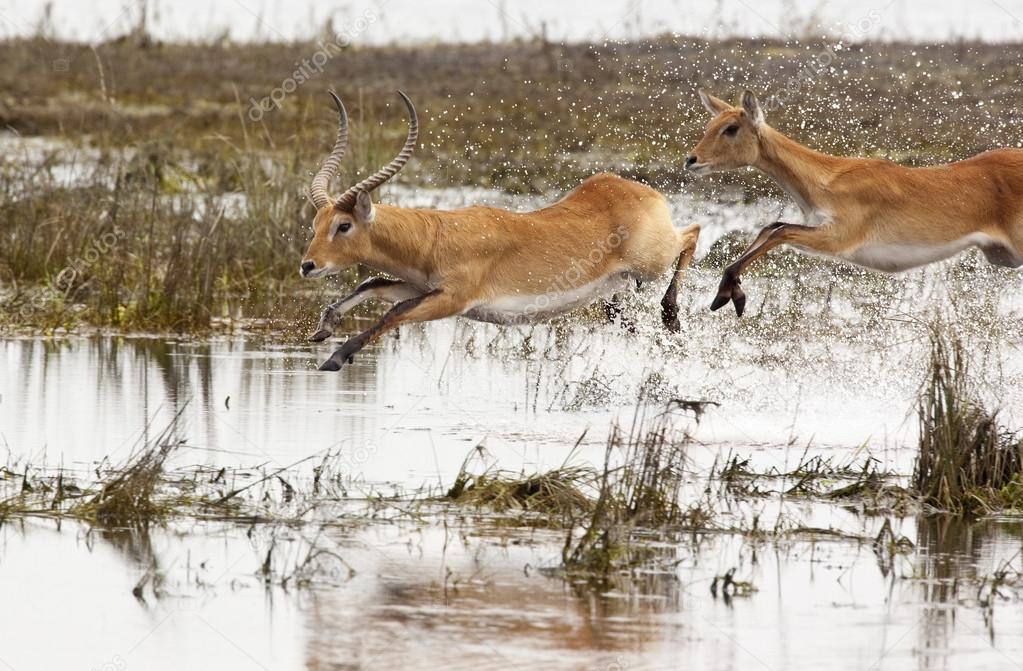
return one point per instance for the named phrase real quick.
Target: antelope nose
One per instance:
(307, 267)
(690, 160)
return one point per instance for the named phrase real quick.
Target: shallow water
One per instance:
(822, 362)
(410, 410)
(461, 597)
(454, 592)
(827, 362)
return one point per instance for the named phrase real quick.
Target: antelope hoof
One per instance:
(341, 356)
(336, 361)
(729, 290)
(330, 365)
(329, 318)
(320, 335)
(739, 300)
(723, 297)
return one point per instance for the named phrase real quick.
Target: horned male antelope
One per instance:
(871, 212)
(606, 235)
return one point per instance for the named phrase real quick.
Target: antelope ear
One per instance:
(363, 211)
(714, 105)
(752, 107)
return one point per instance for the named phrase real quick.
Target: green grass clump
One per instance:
(131, 497)
(551, 497)
(642, 493)
(968, 462)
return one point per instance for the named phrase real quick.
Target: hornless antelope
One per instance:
(605, 236)
(871, 212)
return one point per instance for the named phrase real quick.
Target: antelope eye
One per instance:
(731, 130)
(345, 226)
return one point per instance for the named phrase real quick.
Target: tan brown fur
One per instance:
(872, 212)
(498, 252)
(463, 260)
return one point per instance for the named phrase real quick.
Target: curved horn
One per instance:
(318, 189)
(347, 199)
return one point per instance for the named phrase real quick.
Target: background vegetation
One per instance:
(157, 145)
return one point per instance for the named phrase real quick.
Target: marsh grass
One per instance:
(967, 462)
(150, 237)
(130, 497)
(522, 115)
(640, 491)
(144, 489)
(546, 499)
(612, 513)
(841, 480)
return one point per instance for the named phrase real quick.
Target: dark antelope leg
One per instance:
(769, 237)
(669, 302)
(374, 287)
(425, 307)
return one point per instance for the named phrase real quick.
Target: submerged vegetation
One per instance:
(128, 498)
(630, 519)
(139, 492)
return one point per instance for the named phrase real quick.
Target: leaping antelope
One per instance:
(871, 212)
(487, 264)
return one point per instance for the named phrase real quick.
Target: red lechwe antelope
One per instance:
(607, 235)
(871, 212)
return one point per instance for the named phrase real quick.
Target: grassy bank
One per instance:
(524, 114)
(138, 240)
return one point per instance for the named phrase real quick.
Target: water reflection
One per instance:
(455, 595)
(473, 606)
(956, 562)
(83, 399)
(466, 603)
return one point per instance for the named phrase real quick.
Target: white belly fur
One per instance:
(528, 308)
(896, 257)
